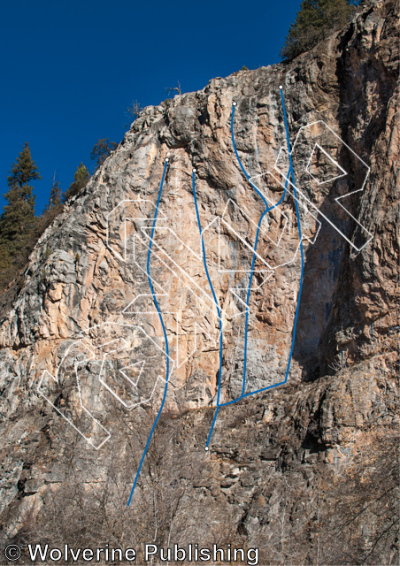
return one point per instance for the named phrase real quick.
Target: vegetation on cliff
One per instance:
(20, 227)
(315, 20)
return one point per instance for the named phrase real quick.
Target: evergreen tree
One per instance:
(18, 221)
(55, 195)
(81, 177)
(315, 20)
(18, 218)
(53, 209)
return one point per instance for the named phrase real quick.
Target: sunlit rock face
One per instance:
(193, 271)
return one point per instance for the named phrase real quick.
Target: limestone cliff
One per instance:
(126, 294)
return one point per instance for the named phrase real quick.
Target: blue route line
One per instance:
(165, 337)
(215, 300)
(268, 209)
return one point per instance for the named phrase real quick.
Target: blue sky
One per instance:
(70, 69)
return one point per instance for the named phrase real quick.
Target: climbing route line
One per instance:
(215, 300)
(164, 332)
(267, 209)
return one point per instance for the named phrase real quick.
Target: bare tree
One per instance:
(135, 109)
(177, 89)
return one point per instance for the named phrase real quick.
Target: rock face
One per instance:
(148, 293)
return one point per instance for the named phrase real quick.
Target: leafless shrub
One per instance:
(174, 89)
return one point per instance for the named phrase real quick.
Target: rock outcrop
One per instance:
(307, 471)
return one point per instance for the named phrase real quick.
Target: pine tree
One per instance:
(18, 218)
(18, 221)
(52, 209)
(315, 20)
(55, 195)
(81, 177)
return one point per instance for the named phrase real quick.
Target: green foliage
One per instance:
(20, 228)
(81, 177)
(6, 265)
(55, 195)
(18, 218)
(53, 209)
(315, 20)
(18, 222)
(102, 149)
